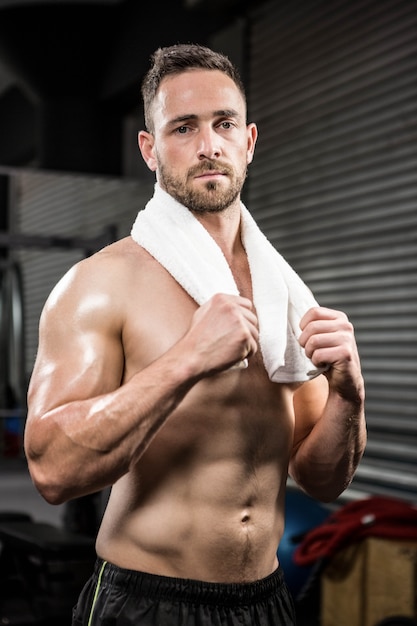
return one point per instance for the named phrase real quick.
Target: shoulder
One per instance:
(123, 257)
(100, 282)
(119, 259)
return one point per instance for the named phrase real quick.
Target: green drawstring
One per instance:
(96, 593)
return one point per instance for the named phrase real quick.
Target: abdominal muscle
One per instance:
(206, 500)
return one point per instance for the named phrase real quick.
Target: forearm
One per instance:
(326, 460)
(84, 431)
(86, 445)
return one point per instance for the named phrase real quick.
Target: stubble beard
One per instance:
(212, 197)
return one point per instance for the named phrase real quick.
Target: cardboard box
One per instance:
(369, 581)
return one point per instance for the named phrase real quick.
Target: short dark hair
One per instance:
(177, 59)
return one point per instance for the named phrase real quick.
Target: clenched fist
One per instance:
(223, 332)
(329, 341)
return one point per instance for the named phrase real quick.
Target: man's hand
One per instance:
(328, 339)
(223, 332)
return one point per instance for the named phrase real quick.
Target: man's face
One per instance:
(201, 145)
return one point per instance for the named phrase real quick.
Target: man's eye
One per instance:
(181, 130)
(226, 125)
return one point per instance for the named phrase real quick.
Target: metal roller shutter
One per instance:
(333, 88)
(73, 214)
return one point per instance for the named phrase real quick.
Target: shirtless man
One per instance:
(134, 387)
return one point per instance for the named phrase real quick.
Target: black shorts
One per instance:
(126, 597)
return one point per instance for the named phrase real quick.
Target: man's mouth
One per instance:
(211, 174)
(209, 170)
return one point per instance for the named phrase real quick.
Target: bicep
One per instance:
(309, 402)
(80, 353)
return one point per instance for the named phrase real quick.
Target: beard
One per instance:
(212, 197)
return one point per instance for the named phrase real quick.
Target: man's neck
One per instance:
(224, 227)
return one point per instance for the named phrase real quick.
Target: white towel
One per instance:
(181, 244)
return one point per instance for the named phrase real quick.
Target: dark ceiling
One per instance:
(70, 72)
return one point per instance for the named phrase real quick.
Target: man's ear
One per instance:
(146, 146)
(252, 137)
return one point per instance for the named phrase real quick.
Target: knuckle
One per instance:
(314, 342)
(349, 327)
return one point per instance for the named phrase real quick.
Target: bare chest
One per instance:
(159, 312)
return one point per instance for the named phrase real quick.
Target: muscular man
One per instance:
(138, 387)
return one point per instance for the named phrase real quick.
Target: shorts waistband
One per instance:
(188, 590)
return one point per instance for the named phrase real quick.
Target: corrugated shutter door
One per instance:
(65, 205)
(333, 89)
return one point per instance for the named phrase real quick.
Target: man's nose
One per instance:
(209, 144)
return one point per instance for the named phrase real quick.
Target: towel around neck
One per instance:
(180, 243)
